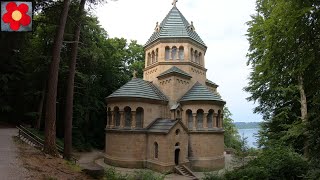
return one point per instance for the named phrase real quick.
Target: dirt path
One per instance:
(11, 167)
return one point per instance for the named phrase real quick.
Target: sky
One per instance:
(220, 24)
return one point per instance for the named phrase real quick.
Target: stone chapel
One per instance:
(173, 116)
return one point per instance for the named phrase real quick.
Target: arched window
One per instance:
(109, 116)
(116, 116)
(139, 117)
(127, 116)
(210, 118)
(178, 114)
(196, 57)
(149, 59)
(219, 119)
(181, 53)
(200, 58)
(156, 150)
(167, 53)
(157, 54)
(200, 118)
(153, 57)
(190, 118)
(192, 55)
(174, 53)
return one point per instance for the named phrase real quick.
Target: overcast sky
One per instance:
(220, 24)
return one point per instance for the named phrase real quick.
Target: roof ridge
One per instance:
(199, 92)
(174, 69)
(158, 91)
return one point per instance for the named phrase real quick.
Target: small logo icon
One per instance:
(16, 16)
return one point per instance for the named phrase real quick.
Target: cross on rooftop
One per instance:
(174, 3)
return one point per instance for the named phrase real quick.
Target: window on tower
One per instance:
(167, 53)
(181, 53)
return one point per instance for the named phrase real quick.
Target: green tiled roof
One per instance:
(139, 88)
(200, 93)
(175, 70)
(162, 125)
(210, 82)
(175, 25)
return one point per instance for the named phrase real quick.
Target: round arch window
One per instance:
(177, 131)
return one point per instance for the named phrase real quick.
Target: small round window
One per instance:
(177, 131)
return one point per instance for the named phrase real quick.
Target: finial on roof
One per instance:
(134, 74)
(157, 28)
(174, 3)
(191, 27)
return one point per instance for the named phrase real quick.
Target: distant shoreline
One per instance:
(247, 125)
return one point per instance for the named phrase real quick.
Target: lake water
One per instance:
(250, 135)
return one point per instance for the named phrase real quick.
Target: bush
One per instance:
(212, 176)
(146, 175)
(247, 173)
(112, 174)
(276, 163)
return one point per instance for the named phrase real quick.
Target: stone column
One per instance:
(133, 122)
(121, 119)
(221, 121)
(108, 120)
(111, 124)
(214, 120)
(194, 116)
(205, 120)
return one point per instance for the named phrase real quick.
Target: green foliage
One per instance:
(231, 135)
(276, 163)
(212, 176)
(284, 46)
(103, 65)
(247, 173)
(146, 175)
(112, 174)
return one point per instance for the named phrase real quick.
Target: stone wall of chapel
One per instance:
(151, 111)
(125, 150)
(198, 74)
(174, 88)
(210, 156)
(166, 147)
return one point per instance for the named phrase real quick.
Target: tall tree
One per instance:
(284, 47)
(70, 85)
(50, 121)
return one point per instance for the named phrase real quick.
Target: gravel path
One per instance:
(11, 168)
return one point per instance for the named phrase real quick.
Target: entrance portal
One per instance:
(176, 156)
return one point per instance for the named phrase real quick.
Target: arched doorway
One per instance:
(176, 154)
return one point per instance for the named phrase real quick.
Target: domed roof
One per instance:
(175, 25)
(138, 88)
(201, 93)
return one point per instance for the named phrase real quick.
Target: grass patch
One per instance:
(73, 166)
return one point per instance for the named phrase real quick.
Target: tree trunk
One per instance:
(40, 108)
(50, 122)
(304, 111)
(70, 87)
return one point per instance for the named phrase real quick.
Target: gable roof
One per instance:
(163, 126)
(176, 71)
(175, 25)
(140, 89)
(200, 93)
